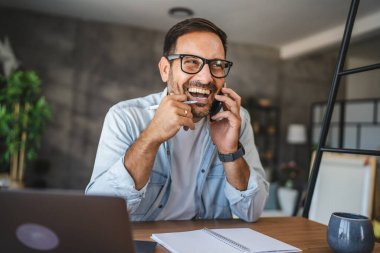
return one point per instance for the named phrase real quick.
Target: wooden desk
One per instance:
(297, 231)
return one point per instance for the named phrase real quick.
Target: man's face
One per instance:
(202, 86)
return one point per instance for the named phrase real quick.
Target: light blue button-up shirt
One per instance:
(215, 197)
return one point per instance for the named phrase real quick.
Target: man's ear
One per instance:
(164, 66)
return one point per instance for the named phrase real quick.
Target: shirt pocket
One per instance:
(156, 183)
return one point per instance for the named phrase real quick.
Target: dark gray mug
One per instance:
(350, 233)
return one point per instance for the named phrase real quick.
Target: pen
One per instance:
(154, 107)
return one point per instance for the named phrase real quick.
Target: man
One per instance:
(177, 161)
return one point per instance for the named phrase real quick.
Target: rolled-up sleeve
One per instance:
(110, 177)
(249, 204)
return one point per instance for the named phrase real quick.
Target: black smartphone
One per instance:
(215, 107)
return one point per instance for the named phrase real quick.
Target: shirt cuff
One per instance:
(123, 183)
(234, 195)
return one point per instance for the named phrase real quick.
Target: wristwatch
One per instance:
(232, 156)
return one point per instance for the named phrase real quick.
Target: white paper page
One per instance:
(256, 241)
(201, 242)
(192, 241)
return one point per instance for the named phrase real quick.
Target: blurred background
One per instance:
(90, 55)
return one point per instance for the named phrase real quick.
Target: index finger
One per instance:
(178, 97)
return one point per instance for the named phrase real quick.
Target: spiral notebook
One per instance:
(229, 240)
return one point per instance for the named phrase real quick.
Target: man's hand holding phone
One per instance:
(225, 131)
(225, 125)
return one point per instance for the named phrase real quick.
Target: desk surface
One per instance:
(297, 231)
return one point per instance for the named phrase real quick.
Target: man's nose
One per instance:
(205, 75)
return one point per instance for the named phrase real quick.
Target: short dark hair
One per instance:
(188, 26)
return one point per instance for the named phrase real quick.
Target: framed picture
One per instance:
(345, 183)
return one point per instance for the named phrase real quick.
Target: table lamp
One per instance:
(296, 134)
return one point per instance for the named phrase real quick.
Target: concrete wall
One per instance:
(365, 84)
(86, 67)
(303, 81)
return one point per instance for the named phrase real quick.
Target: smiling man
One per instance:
(179, 161)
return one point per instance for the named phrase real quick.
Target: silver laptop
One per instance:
(64, 222)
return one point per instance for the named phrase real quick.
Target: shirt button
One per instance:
(203, 171)
(160, 206)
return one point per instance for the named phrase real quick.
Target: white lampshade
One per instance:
(296, 134)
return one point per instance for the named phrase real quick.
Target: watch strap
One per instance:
(232, 156)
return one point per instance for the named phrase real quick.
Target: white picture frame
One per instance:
(345, 183)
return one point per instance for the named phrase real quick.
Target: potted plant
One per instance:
(24, 114)
(290, 172)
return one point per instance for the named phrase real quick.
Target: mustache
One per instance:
(199, 84)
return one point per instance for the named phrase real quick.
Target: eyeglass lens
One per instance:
(193, 64)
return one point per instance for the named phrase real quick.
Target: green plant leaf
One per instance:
(23, 88)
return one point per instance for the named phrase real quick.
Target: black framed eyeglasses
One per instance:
(192, 64)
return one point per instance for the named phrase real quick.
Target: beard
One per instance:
(199, 110)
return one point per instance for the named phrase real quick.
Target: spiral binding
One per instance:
(228, 241)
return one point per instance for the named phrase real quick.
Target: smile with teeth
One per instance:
(199, 92)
